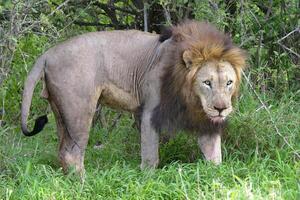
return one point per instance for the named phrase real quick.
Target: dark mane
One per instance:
(165, 34)
(179, 107)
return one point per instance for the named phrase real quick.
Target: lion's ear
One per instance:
(187, 58)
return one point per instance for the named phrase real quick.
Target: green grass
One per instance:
(257, 163)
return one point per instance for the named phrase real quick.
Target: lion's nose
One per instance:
(220, 108)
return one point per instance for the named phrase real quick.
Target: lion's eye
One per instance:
(207, 82)
(229, 82)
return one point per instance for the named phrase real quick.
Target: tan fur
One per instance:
(117, 98)
(160, 80)
(195, 44)
(198, 52)
(202, 42)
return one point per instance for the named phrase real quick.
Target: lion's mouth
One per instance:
(217, 119)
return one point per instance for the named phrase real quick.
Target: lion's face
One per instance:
(215, 83)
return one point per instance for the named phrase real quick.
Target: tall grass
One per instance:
(257, 162)
(259, 148)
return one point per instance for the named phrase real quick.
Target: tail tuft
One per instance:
(38, 126)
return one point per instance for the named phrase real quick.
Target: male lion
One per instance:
(185, 78)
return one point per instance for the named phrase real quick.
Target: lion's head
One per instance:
(215, 84)
(202, 77)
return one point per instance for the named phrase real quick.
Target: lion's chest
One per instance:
(118, 98)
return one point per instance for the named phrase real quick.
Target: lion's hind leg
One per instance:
(70, 154)
(73, 124)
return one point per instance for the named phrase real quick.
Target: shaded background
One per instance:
(261, 145)
(268, 30)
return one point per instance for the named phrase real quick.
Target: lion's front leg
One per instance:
(210, 145)
(149, 142)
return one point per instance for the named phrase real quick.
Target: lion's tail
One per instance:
(30, 83)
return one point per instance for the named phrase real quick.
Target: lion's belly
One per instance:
(117, 98)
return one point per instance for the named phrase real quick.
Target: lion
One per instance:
(184, 79)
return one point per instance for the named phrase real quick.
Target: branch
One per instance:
(115, 122)
(290, 33)
(270, 116)
(286, 36)
(167, 15)
(59, 7)
(111, 13)
(290, 50)
(114, 8)
(146, 17)
(81, 23)
(38, 22)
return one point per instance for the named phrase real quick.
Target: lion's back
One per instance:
(114, 58)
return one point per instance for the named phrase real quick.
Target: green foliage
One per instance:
(258, 30)
(183, 148)
(257, 164)
(260, 162)
(255, 26)
(27, 50)
(215, 15)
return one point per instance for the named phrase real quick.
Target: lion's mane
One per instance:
(179, 107)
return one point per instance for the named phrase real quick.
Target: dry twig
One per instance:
(270, 116)
(286, 36)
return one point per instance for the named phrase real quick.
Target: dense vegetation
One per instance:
(261, 144)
